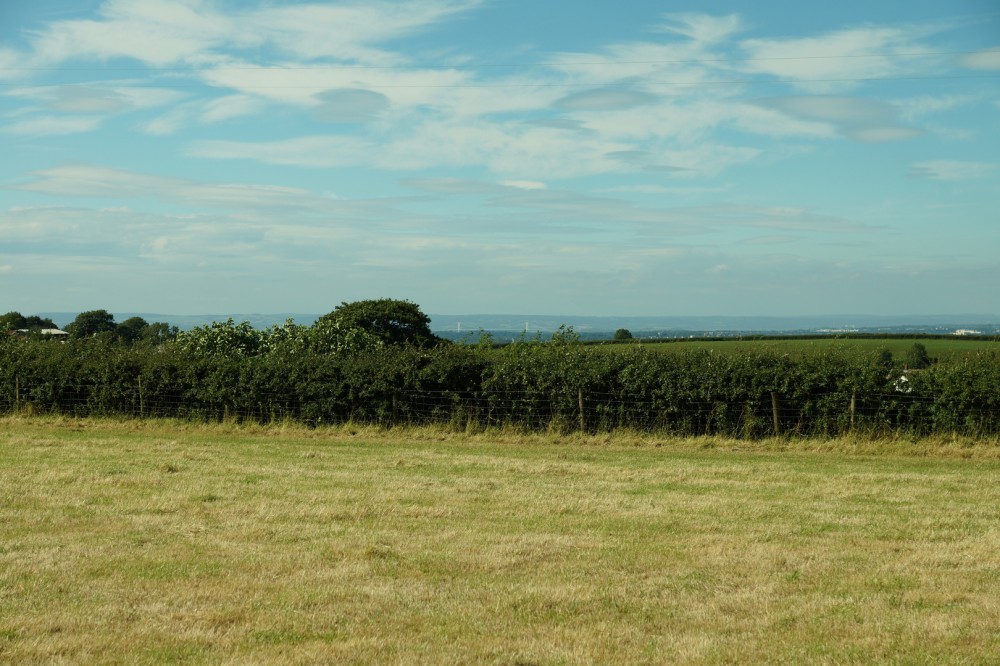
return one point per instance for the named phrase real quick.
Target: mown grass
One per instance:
(151, 542)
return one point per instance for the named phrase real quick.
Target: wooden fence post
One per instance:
(774, 414)
(853, 408)
(142, 410)
(583, 417)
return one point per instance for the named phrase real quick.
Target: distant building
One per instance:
(967, 331)
(52, 332)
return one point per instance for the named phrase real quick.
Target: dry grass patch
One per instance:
(158, 542)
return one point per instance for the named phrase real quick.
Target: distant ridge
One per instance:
(549, 323)
(187, 322)
(469, 324)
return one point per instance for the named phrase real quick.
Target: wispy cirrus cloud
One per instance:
(88, 180)
(867, 120)
(953, 170)
(349, 105)
(987, 59)
(53, 125)
(167, 32)
(83, 107)
(604, 99)
(915, 108)
(842, 59)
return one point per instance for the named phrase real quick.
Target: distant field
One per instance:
(941, 348)
(159, 542)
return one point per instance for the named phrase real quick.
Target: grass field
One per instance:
(160, 542)
(943, 349)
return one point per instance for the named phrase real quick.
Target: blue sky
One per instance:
(599, 158)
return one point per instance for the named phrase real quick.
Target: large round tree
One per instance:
(395, 322)
(92, 322)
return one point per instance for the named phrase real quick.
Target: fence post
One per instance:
(774, 414)
(853, 407)
(142, 410)
(583, 417)
(17, 392)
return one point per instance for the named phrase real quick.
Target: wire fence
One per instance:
(562, 409)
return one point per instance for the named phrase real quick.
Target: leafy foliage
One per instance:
(225, 339)
(91, 323)
(15, 320)
(331, 372)
(395, 322)
(917, 357)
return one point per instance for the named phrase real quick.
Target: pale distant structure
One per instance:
(967, 331)
(52, 332)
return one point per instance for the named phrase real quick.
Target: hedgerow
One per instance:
(336, 376)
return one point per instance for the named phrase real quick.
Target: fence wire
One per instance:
(560, 408)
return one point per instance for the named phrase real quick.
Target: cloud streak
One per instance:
(952, 170)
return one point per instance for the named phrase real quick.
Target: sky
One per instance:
(501, 156)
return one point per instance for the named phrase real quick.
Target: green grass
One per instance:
(944, 349)
(161, 542)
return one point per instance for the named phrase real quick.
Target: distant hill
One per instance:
(187, 322)
(463, 326)
(454, 326)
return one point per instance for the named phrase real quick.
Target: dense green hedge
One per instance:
(560, 385)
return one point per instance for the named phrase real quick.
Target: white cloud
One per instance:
(703, 28)
(524, 184)
(952, 170)
(775, 239)
(89, 180)
(662, 189)
(53, 125)
(301, 84)
(157, 32)
(859, 118)
(841, 58)
(230, 106)
(239, 200)
(87, 99)
(346, 31)
(451, 185)
(11, 64)
(104, 98)
(311, 151)
(167, 32)
(169, 122)
(212, 111)
(349, 105)
(604, 99)
(986, 59)
(924, 105)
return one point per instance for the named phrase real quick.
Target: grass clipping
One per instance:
(159, 542)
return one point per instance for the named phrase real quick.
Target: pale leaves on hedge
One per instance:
(243, 340)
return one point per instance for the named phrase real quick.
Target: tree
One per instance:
(90, 323)
(917, 357)
(226, 338)
(159, 332)
(623, 334)
(131, 330)
(12, 321)
(35, 322)
(394, 322)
